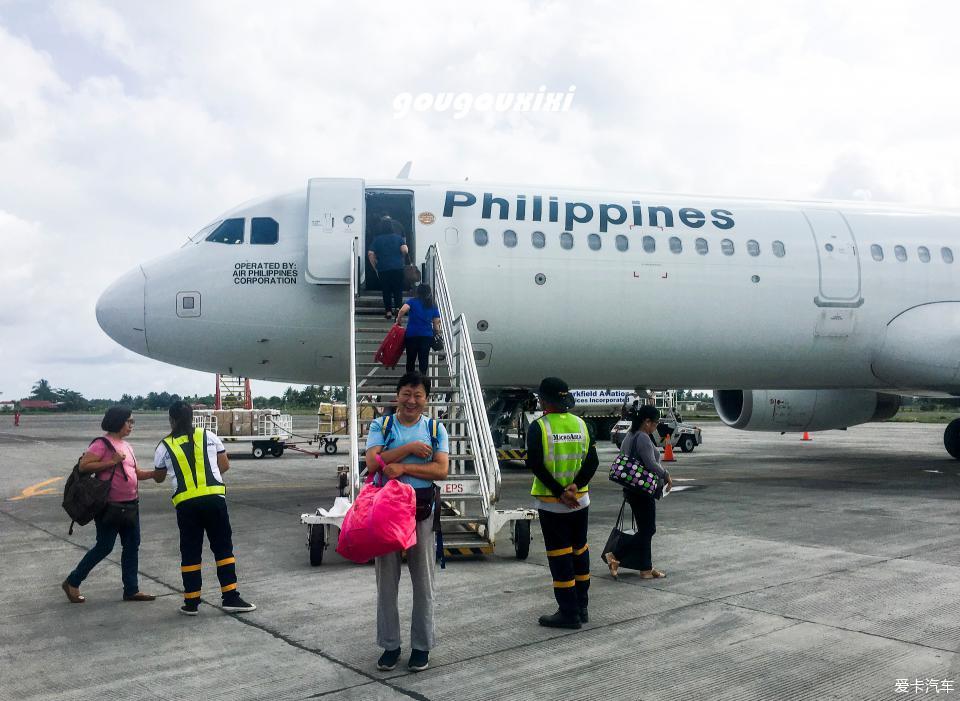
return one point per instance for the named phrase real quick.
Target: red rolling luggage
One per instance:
(391, 349)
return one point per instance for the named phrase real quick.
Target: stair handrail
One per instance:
(456, 332)
(352, 393)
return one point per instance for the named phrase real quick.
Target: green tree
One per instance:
(70, 400)
(42, 390)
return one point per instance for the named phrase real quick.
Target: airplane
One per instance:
(804, 316)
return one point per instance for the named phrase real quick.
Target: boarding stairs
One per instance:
(469, 519)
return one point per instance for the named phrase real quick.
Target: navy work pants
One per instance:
(565, 538)
(207, 514)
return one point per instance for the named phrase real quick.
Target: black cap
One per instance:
(555, 391)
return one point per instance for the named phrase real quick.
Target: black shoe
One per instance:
(584, 616)
(190, 608)
(559, 620)
(388, 660)
(237, 605)
(419, 660)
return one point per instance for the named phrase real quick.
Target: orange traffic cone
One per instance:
(806, 437)
(668, 450)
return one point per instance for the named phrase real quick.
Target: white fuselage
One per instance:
(824, 314)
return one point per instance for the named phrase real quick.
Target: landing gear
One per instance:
(951, 438)
(506, 417)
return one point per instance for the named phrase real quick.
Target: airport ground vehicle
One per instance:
(266, 430)
(684, 436)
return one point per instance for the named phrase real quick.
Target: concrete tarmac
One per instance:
(821, 570)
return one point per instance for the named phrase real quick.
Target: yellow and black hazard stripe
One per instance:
(468, 551)
(512, 454)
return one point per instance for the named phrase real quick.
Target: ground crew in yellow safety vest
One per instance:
(563, 458)
(198, 460)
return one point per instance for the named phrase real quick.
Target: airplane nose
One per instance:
(120, 311)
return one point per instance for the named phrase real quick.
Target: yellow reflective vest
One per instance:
(192, 467)
(565, 443)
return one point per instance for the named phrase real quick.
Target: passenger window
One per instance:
(593, 241)
(923, 253)
(946, 254)
(726, 246)
(779, 250)
(623, 243)
(264, 230)
(566, 241)
(480, 237)
(649, 244)
(509, 238)
(676, 245)
(753, 248)
(538, 239)
(900, 252)
(229, 231)
(703, 248)
(876, 251)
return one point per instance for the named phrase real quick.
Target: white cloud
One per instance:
(126, 126)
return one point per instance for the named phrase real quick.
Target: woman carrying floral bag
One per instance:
(638, 446)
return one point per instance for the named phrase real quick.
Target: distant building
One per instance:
(38, 404)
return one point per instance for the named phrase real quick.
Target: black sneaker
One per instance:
(237, 605)
(419, 660)
(388, 660)
(190, 608)
(560, 620)
(584, 616)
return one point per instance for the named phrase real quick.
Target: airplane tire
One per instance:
(521, 538)
(951, 438)
(316, 541)
(687, 444)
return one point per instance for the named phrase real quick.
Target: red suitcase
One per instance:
(391, 349)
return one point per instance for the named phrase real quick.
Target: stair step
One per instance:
(478, 543)
(392, 390)
(388, 404)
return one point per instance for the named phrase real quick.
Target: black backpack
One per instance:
(84, 495)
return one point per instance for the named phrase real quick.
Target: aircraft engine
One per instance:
(802, 410)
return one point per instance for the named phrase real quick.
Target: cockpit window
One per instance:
(201, 235)
(264, 230)
(229, 231)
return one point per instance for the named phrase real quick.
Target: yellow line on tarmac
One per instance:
(34, 489)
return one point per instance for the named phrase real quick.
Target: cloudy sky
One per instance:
(125, 126)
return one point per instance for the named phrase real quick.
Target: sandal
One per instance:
(653, 574)
(613, 564)
(77, 598)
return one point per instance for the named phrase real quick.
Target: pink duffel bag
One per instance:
(382, 520)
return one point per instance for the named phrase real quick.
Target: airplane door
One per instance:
(335, 216)
(838, 258)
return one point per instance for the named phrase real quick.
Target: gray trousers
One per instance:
(421, 561)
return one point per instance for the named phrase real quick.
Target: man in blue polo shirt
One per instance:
(414, 449)
(386, 255)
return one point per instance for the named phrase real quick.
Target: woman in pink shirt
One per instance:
(111, 457)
